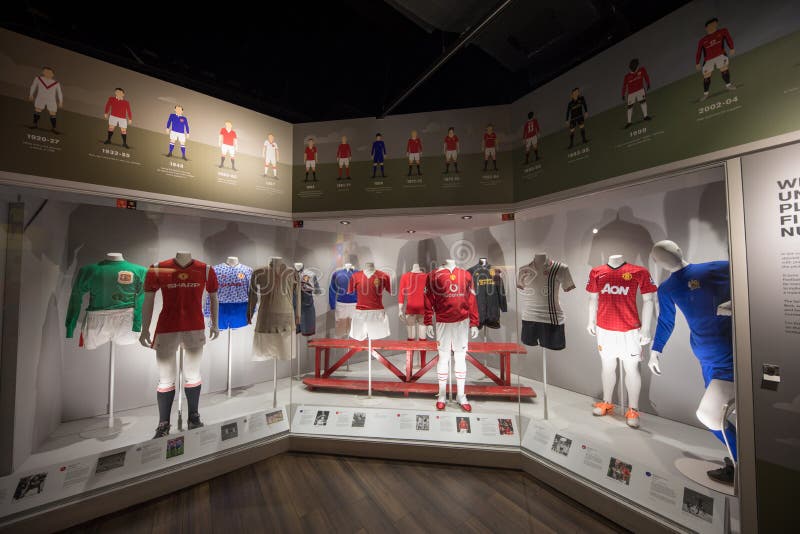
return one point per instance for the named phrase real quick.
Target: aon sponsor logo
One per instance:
(608, 289)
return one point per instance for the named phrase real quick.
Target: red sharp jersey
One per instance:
(713, 45)
(489, 139)
(616, 290)
(531, 129)
(635, 81)
(369, 290)
(450, 296)
(228, 138)
(414, 146)
(412, 293)
(311, 153)
(118, 108)
(343, 151)
(451, 142)
(182, 294)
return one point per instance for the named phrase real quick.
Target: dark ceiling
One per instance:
(310, 61)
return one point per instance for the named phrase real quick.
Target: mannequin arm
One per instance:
(648, 308)
(725, 309)
(214, 305)
(401, 310)
(147, 318)
(591, 326)
(473, 332)
(653, 364)
(431, 331)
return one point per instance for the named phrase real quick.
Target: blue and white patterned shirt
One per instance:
(234, 283)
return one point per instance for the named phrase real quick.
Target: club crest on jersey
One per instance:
(599, 348)
(694, 284)
(608, 289)
(376, 282)
(183, 276)
(125, 277)
(627, 277)
(491, 272)
(240, 276)
(452, 277)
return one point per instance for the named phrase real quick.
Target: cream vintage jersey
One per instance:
(539, 288)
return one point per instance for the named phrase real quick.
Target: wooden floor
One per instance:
(315, 493)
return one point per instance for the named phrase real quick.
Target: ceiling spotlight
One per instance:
(344, 222)
(411, 231)
(594, 230)
(466, 217)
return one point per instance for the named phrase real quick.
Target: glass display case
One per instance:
(535, 333)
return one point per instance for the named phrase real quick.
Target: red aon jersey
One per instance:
(616, 289)
(713, 45)
(451, 296)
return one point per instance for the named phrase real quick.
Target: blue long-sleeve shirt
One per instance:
(698, 289)
(337, 292)
(178, 123)
(378, 149)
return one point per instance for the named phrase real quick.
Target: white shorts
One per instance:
(176, 136)
(636, 96)
(45, 101)
(101, 326)
(452, 337)
(413, 156)
(170, 341)
(451, 155)
(228, 150)
(117, 121)
(621, 345)
(369, 323)
(344, 310)
(311, 164)
(272, 346)
(344, 162)
(720, 62)
(273, 161)
(490, 151)
(531, 142)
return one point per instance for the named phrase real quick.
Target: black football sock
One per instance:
(419, 170)
(494, 164)
(527, 157)
(374, 170)
(383, 173)
(455, 165)
(36, 117)
(409, 169)
(53, 122)
(726, 76)
(221, 161)
(306, 176)
(110, 135)
(233, 163)
(165, 399)
(124, 139)
(192, 398)
(583, 135)
(446, 168)
(314, 174)
(485, 164)
(536, 154)
(706, 84)
(571, 139)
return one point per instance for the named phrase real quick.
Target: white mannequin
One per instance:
(450, 265)
(539, 260)
(298, 266)
(233, 261)
(114, 256)
(669, 256)
(416, 268)
(369, 269)
(633, 378)
(482, 261)
(348, 266)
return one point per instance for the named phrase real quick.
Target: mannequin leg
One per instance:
(460, 368)
(192, 379)
(441, 374)
(633, 381)
(609, 376)
(718, 393)
(165, 393)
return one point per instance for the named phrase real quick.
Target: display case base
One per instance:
(424, 388)
(695, 469)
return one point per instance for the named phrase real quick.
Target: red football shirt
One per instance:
(414, 146)
(617, 295)
(311, 153)
(343, 151)
(182, 293)
(118, 108)
(369, 290)
(451, 296)
(489, 139)
(635, 81)
(713, 45)
(412, 293)
(531, 129)
(451, 142)
(228, 138)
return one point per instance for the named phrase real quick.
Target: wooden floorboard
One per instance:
(299, 493)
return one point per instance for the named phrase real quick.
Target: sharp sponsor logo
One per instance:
(183, 284)
(608, 289)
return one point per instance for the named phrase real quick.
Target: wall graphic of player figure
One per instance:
(310, 158)
(270, 154)
(711, 49)
(378, 153)
(343, 155)
(634, 88)
(178, 130)
(118, 113)
(228, 144)
(530, 137)
(414, 152)
(489, 147)
(450, 150)
(46, 93)
(577, 112)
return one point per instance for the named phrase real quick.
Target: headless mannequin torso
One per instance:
(114, 256)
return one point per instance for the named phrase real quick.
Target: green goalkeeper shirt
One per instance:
(112, 285)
